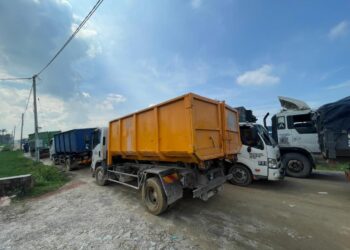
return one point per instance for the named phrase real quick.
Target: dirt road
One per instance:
(294, 214)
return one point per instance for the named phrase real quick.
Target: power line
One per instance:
(15, 78)
(92, 11)
(30, 93)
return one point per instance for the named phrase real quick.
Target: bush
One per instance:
(46, 178)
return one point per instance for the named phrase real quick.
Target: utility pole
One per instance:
(21, 141)
(37, 156)
(14, 135)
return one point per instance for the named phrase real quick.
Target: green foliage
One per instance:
(333, 167)
(46, 178)
(7, 148)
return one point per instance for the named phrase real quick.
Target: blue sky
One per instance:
(134, 53)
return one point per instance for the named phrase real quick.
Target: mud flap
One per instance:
(173, 191)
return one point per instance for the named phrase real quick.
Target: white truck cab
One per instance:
(259, 157)
(295, 131)
(99, 148)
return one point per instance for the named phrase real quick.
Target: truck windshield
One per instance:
(96, 138)
(265, 135)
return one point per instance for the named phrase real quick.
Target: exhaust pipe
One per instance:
(265, 117)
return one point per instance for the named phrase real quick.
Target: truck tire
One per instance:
(153, 196)
(241, 175)
(68, 164)
(101, 176)
(297, 165)
(56, 161)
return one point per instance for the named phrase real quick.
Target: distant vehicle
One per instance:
(302, 146)
(72, 148)
(44, 139)
(333, 127)
(259, 157)
(184, 143)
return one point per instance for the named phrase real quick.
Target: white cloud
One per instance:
(88, 34)
(339, 86)
(339, 30)
(85, 32)
(55, 113)
(259, 77)
(111, 100)
(196, 3)
(94, 50)
(86, 94)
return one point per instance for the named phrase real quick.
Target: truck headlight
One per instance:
(272, 163)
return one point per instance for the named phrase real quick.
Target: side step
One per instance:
(137, 187)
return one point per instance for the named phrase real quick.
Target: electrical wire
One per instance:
(92, 11)
(30, 93)
(15, 78)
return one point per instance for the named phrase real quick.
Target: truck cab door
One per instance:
(283, 133)
(303, 132)
(96, 148)
(253, 153)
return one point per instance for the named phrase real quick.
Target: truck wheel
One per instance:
(101, 176)
(153, 196)
(55, 161)
(297, 165)
(68, 164)
(241, 175)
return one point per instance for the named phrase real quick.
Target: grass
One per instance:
(46, 178)
(334, 167)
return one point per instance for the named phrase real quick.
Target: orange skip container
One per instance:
(189, 129)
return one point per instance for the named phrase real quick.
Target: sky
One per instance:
(133, 54)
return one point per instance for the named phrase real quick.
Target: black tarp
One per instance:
(246, 115)
(336, 115)
(333, 125)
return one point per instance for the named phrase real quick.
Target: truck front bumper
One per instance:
(276, 174)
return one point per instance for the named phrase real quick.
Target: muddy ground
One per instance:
(309, 213)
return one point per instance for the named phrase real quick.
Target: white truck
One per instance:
(259, 157)
(295, 131)
(99, 148)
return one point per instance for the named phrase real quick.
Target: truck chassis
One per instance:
(165, 182)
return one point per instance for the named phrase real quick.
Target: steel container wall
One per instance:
(231, 130)
(189, 128)
(74, 141)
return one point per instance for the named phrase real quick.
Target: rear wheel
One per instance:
(101, 176)
(297, 165)
(241, 175)
(68, 164)
(154, 197)
(56, 161)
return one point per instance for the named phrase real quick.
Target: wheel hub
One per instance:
(100, 175)
(295, 165)
(239, 174)
(152, 196)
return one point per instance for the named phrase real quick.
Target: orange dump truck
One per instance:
(185, 142)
